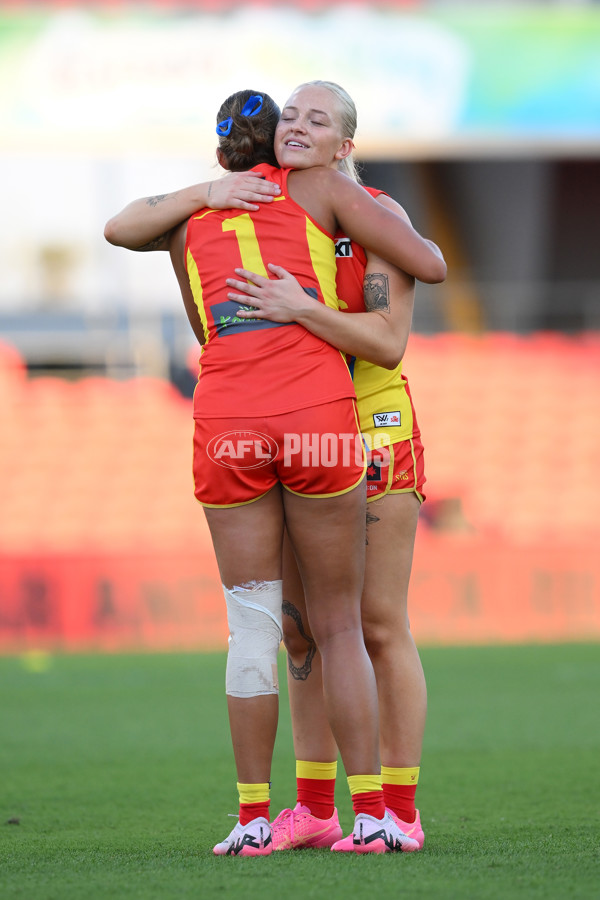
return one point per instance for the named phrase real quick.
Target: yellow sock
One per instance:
(315, 787)
(399, 789)
(367, 795)
(254, 801)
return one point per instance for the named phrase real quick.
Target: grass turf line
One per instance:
(120, 772)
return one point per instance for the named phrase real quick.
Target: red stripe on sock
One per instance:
(318, 794)
(401, 799)
(249, 811)
(369, 802)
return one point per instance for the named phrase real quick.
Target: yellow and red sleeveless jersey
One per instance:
(254, 367)
(385, 408)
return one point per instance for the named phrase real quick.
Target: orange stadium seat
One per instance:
(510, 426)
(94, 464)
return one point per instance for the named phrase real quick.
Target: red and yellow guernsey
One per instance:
(385, 408)
(253, 367)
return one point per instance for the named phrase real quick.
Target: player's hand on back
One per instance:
(279, 299)
(241, 190)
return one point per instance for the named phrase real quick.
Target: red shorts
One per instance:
(397, 469)
(316, 452)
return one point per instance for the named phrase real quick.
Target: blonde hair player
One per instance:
(395, 479)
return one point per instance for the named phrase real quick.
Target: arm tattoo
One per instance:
(159, 243)
(371, 519)
(210, 184)
(300, 673)
(154, 201)
(376, 292)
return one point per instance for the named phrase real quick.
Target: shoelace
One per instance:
(280, 820)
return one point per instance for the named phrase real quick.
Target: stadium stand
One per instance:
(510, 425)
(102, 545)
(93, 464)
(511, 428)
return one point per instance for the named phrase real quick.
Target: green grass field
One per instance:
(119, 772)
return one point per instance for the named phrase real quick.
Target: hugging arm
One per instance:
(385, 233)
(177, 251)
(390, 292)
(378, 335)
(148, 223)
(335, 200)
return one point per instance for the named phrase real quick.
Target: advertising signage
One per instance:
(437, 81)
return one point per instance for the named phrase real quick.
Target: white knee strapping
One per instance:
(255, 633)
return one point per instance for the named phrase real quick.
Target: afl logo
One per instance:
(242, 449)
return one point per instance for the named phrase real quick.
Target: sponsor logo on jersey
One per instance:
(384, 420)
(227, 321)
(378, 462)
(374, 472)
(343, 247)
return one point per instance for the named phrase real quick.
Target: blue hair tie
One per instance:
(252, 106)
(224, 127)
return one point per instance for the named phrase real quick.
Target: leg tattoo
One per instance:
(300, 673)
(371, 519)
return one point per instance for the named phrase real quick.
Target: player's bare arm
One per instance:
(377, 292)
(177, 249)
(336, 200)
(379, 335)
(147, 223)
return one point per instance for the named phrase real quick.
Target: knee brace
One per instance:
(255, 632)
